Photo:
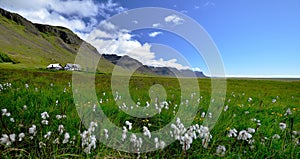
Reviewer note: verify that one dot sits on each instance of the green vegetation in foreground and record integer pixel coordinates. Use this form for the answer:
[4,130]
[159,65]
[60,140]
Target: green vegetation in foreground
[5,58]
[248,101]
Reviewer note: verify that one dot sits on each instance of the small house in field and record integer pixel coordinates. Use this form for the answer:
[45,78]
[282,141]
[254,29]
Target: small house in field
[56,66]
[72,67]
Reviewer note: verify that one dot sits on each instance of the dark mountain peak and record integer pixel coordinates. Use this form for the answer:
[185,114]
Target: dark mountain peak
[129,63]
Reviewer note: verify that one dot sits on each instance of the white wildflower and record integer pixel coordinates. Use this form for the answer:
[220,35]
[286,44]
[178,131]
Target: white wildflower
[58,117]
[156,143]
[45,115]
[66,138]
[244,135]
[275,136]
[203,115]
[282,126]
[209,115]
[12,137]
[128,124]
[225,108]
[5,140]
[45,122]
[106,133]
[288,112]
[124,133]
[21,136]
[221,149]
[32,130]
[4,111]
[146,132]
[61,129]
[56,141]
[232,133]
[41,144]
[8,114]
[12,120]
[250,99]
[47,136]
[251,130]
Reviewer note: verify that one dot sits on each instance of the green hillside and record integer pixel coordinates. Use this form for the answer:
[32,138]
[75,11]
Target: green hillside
[36,46]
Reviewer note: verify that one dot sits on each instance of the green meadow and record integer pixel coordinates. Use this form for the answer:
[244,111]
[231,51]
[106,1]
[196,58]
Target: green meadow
[259,119]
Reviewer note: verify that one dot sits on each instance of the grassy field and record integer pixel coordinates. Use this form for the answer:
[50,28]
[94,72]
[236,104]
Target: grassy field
[264,113]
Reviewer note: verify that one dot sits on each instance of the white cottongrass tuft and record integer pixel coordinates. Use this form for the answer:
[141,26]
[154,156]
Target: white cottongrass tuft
[32,130]
[5,140]
[251,130]
[288,112]
[146,132]
[128,124]
[221,149]
[244,135]
[124,133]
[48,135]
[275,136]
[106,133]
[61,129]
[66,138]
[44,115]
[21,136]
[282,126]
[232,133]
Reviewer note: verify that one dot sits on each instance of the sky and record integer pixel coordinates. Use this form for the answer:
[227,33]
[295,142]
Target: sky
[255,38]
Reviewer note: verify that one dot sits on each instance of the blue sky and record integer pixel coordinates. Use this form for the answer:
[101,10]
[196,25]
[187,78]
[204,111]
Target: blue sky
[254,37]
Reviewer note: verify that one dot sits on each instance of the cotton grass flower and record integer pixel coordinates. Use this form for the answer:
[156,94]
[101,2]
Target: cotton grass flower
[244,135]
[41,145]
[12,120]
[32,130]
[275,136]
[128,124]
[66,138]
[225,108]
[282,126]
[5,140]
[106,133]
[146,132]
[288,112]
[251,130]
[232,133]
[45,122]
[21,136]
[44,115]
[47,136]
[221,149]
[61,129]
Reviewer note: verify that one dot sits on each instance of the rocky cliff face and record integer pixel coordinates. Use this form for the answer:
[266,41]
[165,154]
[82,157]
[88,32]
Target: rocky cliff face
[65,34]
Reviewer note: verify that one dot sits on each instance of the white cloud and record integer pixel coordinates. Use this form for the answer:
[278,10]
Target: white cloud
[135,22]
[209,3]
[154,34]
[174,19]
[156,25]
[78,15]
[196,69]
[119,41]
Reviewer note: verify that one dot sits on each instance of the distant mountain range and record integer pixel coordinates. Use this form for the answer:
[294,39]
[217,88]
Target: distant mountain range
[37,45]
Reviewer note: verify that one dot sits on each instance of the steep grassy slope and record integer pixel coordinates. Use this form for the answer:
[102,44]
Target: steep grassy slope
[36,45]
